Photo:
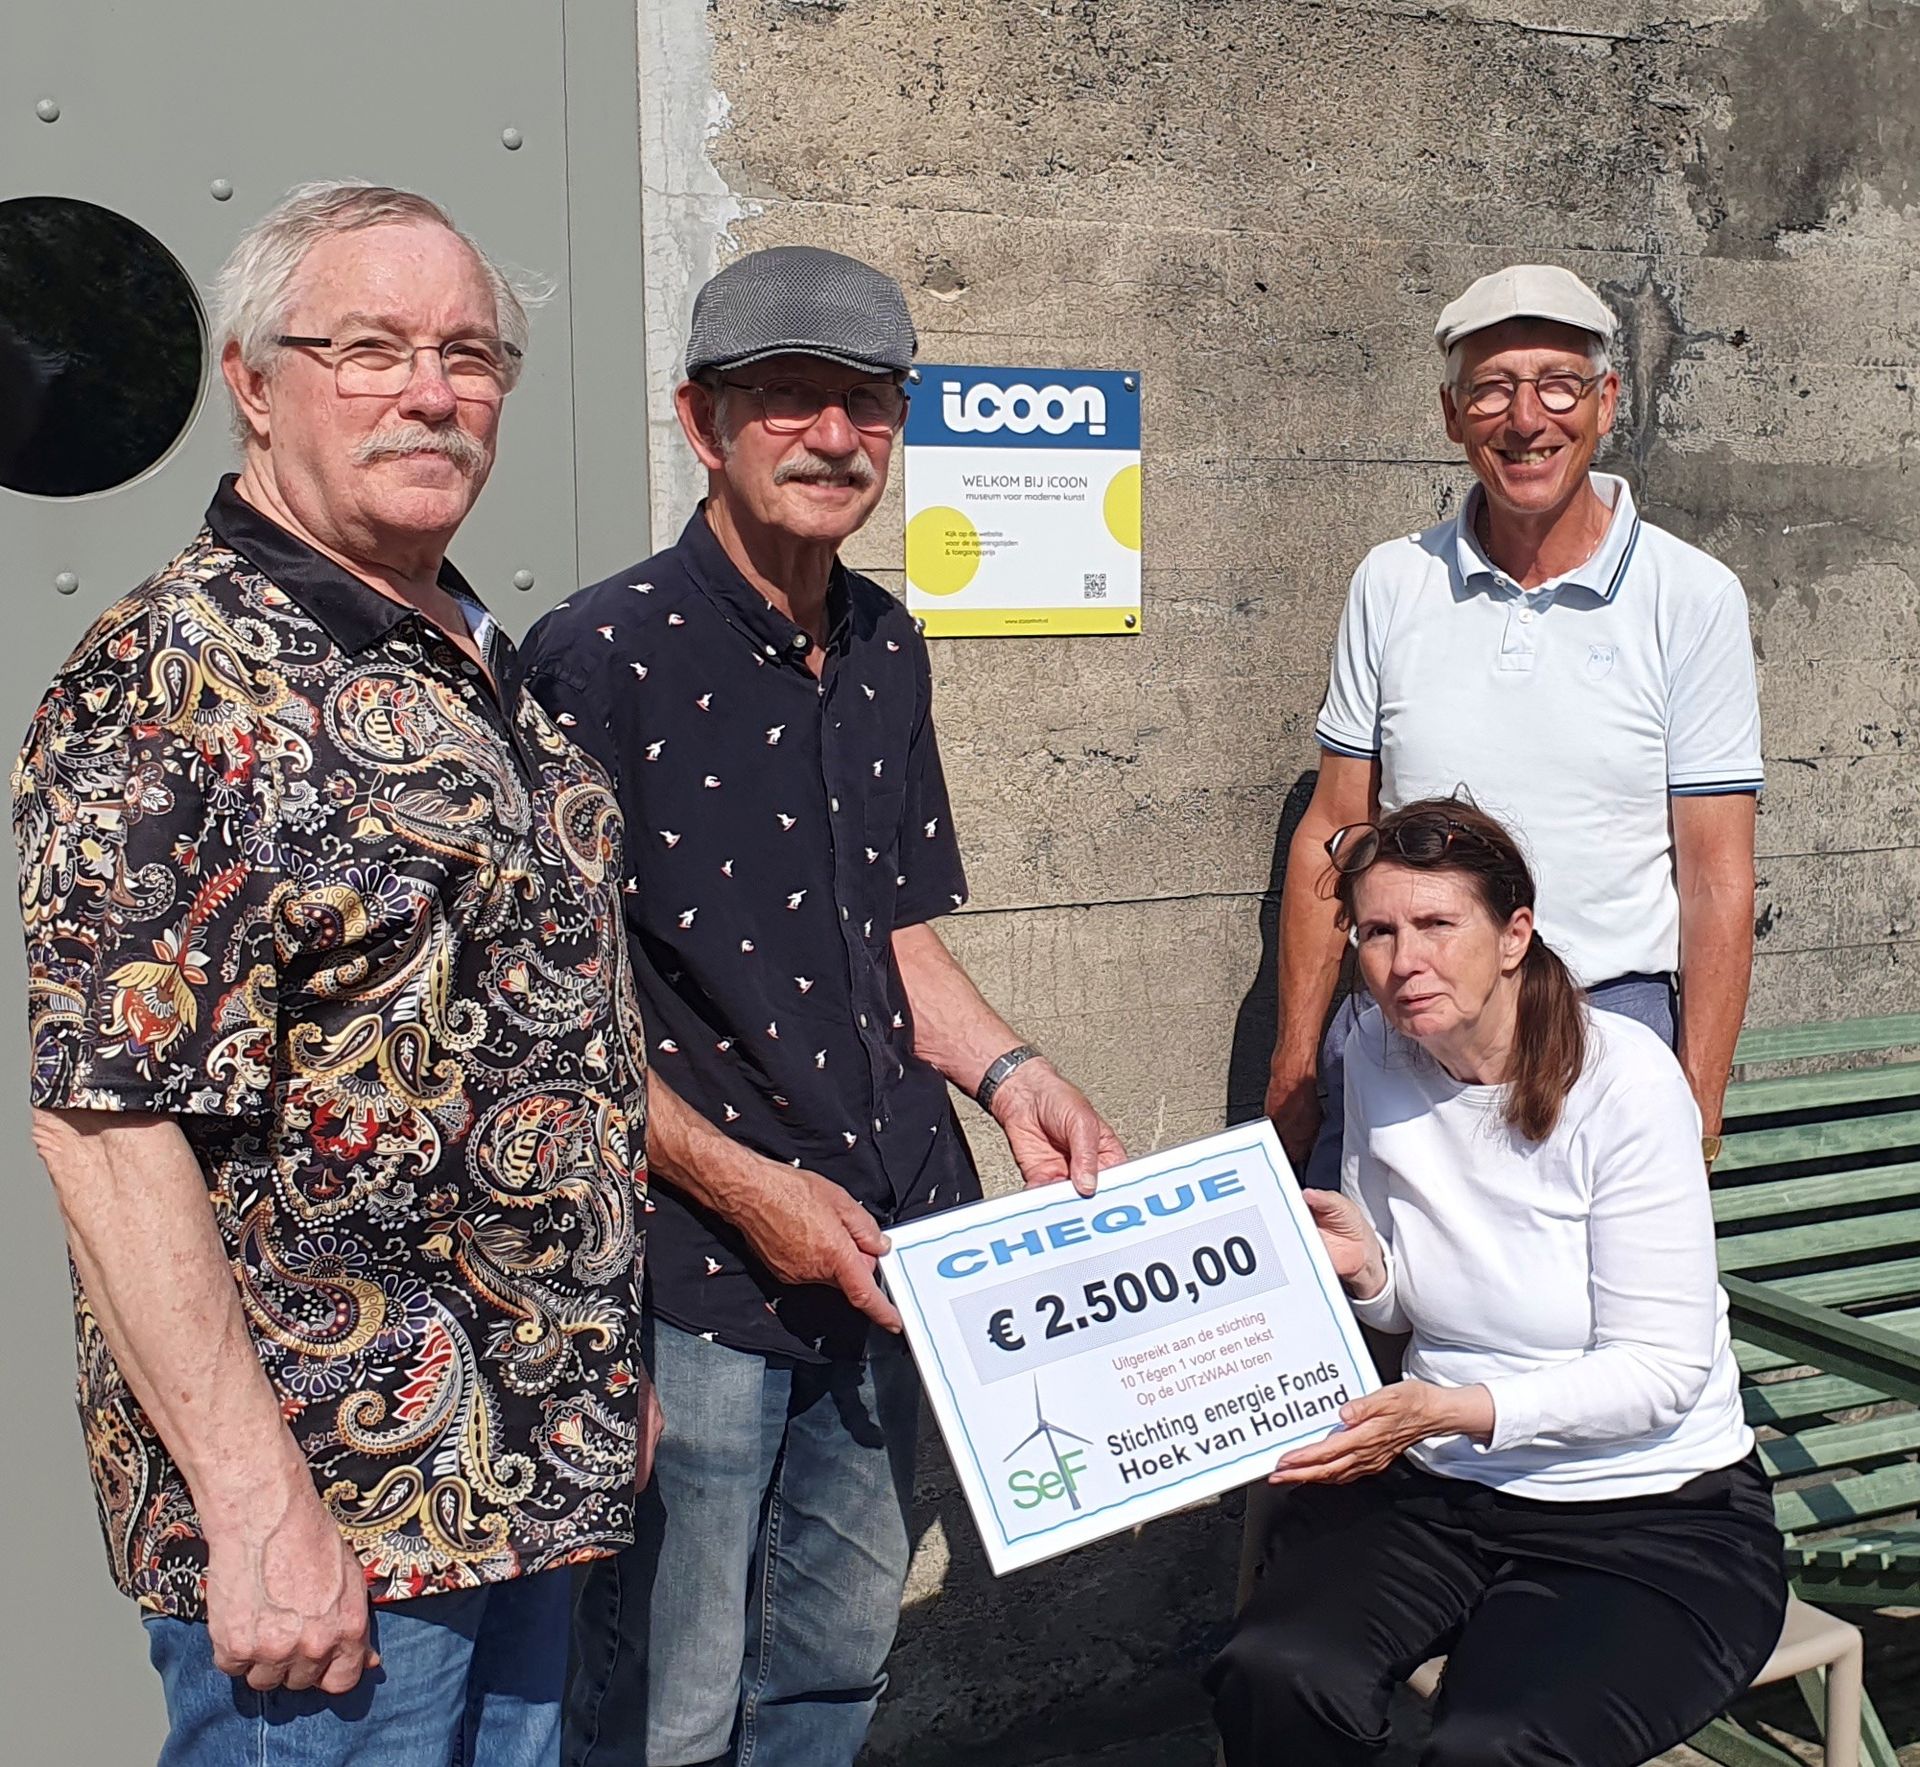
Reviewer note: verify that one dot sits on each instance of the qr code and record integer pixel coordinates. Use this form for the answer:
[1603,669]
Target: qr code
[1093,586]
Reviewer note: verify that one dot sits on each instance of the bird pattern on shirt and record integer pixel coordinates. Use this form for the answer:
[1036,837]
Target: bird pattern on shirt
[782,794]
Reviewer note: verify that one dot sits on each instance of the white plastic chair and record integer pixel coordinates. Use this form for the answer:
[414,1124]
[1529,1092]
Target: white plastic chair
[1811,1643]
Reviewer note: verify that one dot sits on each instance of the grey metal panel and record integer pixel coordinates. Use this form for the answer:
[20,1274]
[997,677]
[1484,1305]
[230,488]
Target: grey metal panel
[155,103]
[607,293]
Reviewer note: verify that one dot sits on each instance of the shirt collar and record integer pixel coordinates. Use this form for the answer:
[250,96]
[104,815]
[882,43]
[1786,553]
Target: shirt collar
[1601,575]
[749,612]
[354,614]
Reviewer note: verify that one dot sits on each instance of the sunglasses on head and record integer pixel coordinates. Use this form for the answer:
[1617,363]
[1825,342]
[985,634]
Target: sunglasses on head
[1422,840]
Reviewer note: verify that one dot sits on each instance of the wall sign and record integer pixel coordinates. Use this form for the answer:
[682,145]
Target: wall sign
[1023,501]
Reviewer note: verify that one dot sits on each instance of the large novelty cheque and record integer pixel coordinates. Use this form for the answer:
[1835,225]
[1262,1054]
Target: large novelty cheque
[1097,1362]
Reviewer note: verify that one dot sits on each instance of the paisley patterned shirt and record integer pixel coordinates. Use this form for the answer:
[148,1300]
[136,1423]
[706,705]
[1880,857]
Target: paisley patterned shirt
[293,874]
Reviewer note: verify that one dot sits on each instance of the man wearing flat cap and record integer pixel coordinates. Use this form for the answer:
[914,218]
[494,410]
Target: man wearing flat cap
[1584,675]
[765,714]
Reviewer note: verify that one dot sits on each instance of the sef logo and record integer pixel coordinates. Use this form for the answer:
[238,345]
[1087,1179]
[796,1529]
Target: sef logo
[1030,1489]
[1022,409]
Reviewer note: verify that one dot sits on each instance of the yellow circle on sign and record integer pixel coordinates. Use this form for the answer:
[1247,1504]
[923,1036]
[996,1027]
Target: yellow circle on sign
[943,550]
[1122,508]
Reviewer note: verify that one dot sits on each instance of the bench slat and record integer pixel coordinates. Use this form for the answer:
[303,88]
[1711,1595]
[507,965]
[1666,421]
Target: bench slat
[1862,1282]
[1792,1196]
[1783,1402]
[1841,1037]
[1805,1092]
[1820,1141]
[1755,1360]
[1890,1489]
[1891,1231]
[1841,1444]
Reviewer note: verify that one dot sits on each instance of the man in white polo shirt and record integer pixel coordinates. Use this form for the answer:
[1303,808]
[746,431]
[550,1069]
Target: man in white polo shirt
[1584,675]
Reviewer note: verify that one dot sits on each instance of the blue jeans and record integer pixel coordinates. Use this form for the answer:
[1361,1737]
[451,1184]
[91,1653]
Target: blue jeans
[1646,998]
[751,1619]
[470,1679]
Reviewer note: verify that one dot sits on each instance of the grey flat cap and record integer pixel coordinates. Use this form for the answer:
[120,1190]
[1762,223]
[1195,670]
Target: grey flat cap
[801,300]
[1524,291]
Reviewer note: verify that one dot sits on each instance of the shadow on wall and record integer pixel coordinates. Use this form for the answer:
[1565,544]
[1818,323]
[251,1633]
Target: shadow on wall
[1258,1021]
[1100,1648]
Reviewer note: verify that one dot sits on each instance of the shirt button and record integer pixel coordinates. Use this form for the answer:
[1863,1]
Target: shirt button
[1526,616]
[863,1021]
[469,667]
[834,805]
[876,1125]
[771,651]
[843,914]
[802,643]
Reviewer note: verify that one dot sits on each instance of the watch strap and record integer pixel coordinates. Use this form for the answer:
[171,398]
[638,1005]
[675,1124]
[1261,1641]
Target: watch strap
[999,1069]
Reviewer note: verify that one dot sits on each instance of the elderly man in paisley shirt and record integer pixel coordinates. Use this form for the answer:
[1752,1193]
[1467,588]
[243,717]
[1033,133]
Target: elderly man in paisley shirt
[337,1065]
[765,714]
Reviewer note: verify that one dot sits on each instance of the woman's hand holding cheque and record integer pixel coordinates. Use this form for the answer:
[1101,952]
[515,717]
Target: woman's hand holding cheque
[1376,1428]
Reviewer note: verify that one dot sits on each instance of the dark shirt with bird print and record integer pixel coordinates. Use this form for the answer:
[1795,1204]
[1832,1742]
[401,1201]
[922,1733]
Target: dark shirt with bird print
[780,828]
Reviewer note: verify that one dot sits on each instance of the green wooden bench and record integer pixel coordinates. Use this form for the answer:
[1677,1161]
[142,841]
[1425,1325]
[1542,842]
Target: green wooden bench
[1817,1206]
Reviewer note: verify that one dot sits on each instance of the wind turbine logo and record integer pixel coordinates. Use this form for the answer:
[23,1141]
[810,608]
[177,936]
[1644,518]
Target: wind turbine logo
[1067,1466]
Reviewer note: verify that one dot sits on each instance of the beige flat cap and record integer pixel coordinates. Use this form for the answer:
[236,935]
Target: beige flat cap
[1525,291]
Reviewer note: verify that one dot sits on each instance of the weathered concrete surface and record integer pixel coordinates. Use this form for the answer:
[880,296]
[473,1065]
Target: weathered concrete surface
[1260,204]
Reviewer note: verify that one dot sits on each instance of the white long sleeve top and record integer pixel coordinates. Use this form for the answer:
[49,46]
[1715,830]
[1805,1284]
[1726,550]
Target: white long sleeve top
[1573,1277]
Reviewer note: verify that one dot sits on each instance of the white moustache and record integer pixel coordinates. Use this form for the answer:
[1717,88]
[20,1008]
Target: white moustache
[817,469]
[415,438]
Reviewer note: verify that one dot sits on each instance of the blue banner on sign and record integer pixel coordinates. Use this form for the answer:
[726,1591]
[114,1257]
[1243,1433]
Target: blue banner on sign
[956,407]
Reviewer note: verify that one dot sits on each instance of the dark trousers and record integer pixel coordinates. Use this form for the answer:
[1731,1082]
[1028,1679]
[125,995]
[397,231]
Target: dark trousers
[1576,1634]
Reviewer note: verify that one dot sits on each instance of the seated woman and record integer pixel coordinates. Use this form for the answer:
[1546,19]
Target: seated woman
[1561,1494]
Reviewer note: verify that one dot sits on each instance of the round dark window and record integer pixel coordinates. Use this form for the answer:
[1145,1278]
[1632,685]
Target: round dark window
[102,348]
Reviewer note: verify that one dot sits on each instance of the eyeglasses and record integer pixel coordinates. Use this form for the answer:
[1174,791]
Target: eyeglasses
[790,406]
[480,369]
[1421,841]
[1558,393]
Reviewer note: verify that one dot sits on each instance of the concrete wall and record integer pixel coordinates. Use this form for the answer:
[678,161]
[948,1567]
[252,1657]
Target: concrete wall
[1261,205]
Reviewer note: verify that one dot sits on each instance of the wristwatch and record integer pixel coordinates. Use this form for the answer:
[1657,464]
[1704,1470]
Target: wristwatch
[997,1071]
[1710,1149]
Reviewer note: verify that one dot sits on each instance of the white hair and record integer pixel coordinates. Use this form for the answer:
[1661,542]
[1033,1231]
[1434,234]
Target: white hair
[1599,359]
[255,285]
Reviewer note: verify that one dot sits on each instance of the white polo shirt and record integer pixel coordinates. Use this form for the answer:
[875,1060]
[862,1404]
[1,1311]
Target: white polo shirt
[1572,711]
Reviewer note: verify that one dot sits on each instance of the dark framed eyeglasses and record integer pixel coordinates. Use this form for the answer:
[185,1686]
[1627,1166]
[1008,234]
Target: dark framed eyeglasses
[1558,393]
[375,365]
[876,407]
[1421,840]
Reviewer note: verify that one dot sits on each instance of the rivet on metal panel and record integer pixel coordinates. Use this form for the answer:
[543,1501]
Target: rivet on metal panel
[913,377]
[1126,380]
[1131,621]
[221,189]
[47,111]
[510,139]
[523,579]
[66,582]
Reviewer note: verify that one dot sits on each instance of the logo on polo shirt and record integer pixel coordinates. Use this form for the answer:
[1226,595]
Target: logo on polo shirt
[1599,661]
[984,408]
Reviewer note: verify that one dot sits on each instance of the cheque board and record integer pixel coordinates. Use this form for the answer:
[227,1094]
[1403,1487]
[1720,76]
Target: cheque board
[1097,1362]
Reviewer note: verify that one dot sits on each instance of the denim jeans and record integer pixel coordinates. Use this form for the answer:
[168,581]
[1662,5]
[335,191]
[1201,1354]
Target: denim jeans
[470,1679]
[751,1619]
[1644,997]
